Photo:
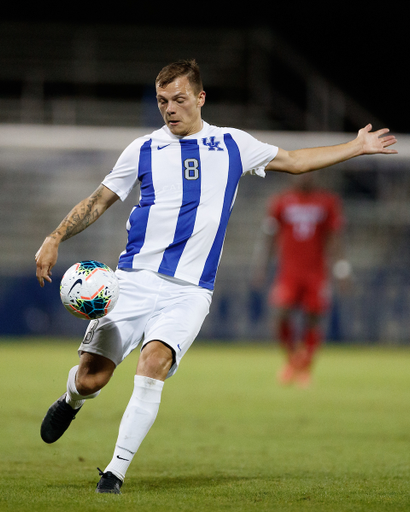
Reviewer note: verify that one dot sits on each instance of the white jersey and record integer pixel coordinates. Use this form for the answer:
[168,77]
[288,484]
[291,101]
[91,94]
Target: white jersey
[187,189]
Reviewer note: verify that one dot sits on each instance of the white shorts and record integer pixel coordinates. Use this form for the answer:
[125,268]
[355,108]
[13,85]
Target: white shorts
[150,307]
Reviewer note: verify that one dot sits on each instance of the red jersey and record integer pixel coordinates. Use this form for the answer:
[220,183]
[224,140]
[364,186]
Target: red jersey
[304,220]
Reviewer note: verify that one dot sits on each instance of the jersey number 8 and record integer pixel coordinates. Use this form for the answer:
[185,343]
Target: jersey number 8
[191,169]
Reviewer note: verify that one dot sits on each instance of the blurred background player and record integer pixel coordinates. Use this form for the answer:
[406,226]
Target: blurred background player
[303,228]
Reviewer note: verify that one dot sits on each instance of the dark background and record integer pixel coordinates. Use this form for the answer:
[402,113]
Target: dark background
[362,48]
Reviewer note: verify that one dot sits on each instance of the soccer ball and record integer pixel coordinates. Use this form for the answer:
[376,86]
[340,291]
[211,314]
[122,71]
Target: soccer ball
[89,289]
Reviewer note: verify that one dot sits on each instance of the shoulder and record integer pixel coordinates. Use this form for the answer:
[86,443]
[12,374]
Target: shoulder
[147,141]
[238,135]
[155,136]
[137,143]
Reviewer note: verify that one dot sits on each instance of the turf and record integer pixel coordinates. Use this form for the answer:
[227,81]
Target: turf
[227,437]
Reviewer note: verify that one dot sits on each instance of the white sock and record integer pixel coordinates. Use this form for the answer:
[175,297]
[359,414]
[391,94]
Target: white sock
[138,418]
[73,397]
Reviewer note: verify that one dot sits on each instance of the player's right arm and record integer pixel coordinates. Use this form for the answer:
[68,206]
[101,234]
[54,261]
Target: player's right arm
[85,213]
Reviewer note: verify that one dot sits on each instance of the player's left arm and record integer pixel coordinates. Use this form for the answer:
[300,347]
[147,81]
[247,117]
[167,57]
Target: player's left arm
[304,160]
[85,213]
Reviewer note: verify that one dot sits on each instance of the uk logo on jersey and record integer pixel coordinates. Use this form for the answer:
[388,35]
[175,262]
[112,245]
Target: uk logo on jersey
[213,145]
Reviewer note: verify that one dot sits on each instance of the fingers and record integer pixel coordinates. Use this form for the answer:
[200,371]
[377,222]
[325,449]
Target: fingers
[368,128]
[42,278]
[46,258]
[39,274]
[387,141]
[378,141]
[382,131]
[43,271]
[43,274]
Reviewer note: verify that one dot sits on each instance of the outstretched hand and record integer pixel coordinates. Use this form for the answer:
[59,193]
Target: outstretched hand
[376,142]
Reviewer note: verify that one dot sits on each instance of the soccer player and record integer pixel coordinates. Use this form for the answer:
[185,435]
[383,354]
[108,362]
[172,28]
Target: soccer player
[303,229]
[188,172]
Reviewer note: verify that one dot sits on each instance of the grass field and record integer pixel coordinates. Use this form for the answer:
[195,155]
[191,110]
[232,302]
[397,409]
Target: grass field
[227,437]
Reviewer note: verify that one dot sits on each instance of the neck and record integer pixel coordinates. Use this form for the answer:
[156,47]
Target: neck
[195,129]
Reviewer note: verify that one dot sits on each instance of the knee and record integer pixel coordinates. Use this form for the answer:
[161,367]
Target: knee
[155,360]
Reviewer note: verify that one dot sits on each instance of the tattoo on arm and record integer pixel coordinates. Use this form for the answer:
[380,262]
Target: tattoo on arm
[81,216]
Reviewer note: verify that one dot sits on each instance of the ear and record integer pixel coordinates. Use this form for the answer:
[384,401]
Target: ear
[201,99]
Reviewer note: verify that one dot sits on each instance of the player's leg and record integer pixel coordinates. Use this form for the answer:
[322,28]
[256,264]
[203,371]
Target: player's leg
[100,352]
[283,297]
[87,379]
[284,330]
[313,337]
[105,342]
[155,360]
[84,382]
[285,334]
[176,323]
[153,366]
[316,301]
[311,342]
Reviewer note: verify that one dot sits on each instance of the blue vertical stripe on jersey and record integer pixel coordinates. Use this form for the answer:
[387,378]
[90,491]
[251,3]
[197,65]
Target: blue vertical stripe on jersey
[235,172]
[139,217]
[191,183]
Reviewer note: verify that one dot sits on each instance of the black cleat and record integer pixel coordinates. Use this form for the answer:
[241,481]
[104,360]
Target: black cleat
[57,420]
[108,483]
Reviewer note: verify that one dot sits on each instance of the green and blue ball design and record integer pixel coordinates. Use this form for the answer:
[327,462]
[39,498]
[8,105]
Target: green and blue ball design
[89,289]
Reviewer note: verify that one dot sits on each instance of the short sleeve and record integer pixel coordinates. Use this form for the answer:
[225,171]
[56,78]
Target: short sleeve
[124,176]
[255,155]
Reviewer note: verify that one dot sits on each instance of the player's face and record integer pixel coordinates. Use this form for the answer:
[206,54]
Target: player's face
[181,107]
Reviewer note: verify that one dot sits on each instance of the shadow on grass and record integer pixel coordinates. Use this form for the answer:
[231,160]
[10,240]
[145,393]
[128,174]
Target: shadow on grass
[178,482]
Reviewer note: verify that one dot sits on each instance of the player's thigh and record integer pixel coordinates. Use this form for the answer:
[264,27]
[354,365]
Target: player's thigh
[119,333]
[284,293]
[317,296]
[178,321]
